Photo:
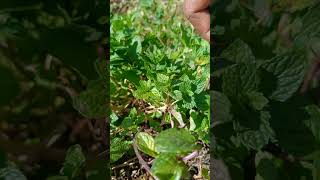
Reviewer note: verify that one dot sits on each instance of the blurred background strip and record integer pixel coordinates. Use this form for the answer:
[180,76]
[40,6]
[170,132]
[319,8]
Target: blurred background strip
[54,89]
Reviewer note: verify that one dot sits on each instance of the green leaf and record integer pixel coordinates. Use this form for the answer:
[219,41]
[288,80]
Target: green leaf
[162,78]
[132,76]
[93,102]
[74,162]
[113,117]
[314,122]
[186,85]
[102,69]
[143,89]
[177,95]
[221,110]
[202,81]
[262,11]
[202,101]
[257,100]
[316,167]
[127,122]
[253,140]
[311,27]
[118,147]
[257,139]
[11,173]
[289,70]
[146,91]
[167,166]
[268,168]
[173,140]
[238,52]
[133,113]
[240,79]
[145,143]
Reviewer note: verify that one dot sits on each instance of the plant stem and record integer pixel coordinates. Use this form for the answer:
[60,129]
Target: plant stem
[190,156]
[143,163]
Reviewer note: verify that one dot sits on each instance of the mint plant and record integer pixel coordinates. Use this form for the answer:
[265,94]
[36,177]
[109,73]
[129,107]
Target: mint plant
[168,149]
[265,92]
[160,75]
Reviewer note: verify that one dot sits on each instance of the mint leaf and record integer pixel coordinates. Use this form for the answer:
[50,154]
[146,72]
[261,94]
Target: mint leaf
[173,140]
[162,78]
[289,70]
[240,79]
[311,27]
[118,147]
[186,85]
[92,103]
[145,143]
[314,122]
[257,100]
[74,162]
[316,164]
[167,166]
[221,110]
[238,52]
[268,168]
[11,173]
[256,139]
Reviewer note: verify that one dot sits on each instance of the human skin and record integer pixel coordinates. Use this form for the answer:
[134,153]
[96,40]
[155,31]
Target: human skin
[197,12]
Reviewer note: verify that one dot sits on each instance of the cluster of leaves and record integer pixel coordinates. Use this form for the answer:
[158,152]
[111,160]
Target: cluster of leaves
[266,111]
[159,79]
[168,149]
[53,71]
